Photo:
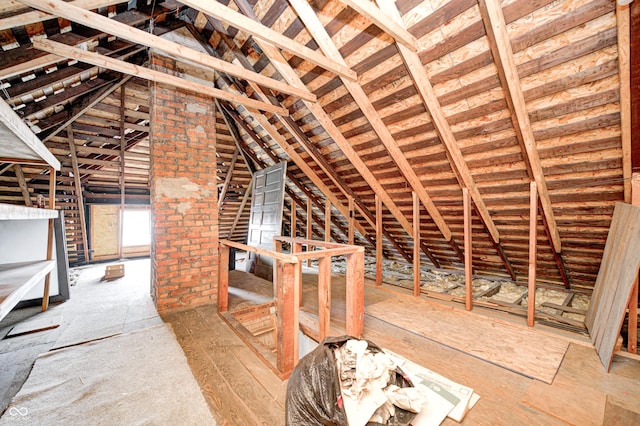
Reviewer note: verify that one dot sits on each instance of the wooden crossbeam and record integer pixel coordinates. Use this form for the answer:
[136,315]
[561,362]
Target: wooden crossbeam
[266,34]
[22,183]
[94,20]
[157,76]
[441,125]
[315,27]
[35,16]
[500,44]
[382,21]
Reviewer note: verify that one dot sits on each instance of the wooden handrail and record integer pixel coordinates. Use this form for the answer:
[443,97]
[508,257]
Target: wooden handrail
[283,257]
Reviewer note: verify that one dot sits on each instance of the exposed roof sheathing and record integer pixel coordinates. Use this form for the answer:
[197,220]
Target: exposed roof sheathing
[480,94]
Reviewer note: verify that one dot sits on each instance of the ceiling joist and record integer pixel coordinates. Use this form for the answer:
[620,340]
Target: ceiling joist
[99,22]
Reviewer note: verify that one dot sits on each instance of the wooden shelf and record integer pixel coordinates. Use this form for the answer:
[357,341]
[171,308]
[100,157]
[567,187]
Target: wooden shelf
[16,279]
[14,212]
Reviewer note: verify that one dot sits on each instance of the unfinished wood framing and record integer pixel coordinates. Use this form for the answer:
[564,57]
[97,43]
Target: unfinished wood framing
[533,251]
[468,257]
[416,245]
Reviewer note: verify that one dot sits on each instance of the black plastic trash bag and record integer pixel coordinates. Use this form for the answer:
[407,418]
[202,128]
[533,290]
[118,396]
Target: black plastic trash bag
[313,390]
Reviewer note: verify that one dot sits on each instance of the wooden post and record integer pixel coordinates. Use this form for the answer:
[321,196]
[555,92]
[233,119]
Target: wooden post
[327,221]
[324,296]
[309,225]
[632,329]
[533,235]
[378,240]
[122,162]
[416,244]
[22,183]
[78,187]
[293,218]
[223,279]
[52,206]
[623,23]
[297,248]
[352,221]
[468,267]
[355,294]
[287,323]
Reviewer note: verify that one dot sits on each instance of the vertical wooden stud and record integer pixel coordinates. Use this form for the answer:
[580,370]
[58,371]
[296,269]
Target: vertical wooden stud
[352,221]
[533,244]
[297,248]
[416,244]
[286,320]
[378,240]
[52,206]
[632,329]
[223,279]
[293,219]
[355,294]
[327,221]
[309,225]
[122,163]
[468,267]
[623,21]
[324,296]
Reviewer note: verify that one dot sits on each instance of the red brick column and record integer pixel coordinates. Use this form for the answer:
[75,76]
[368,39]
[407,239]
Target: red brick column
[184,195]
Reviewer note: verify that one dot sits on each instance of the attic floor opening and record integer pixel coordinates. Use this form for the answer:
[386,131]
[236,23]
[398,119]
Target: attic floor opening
[230,374]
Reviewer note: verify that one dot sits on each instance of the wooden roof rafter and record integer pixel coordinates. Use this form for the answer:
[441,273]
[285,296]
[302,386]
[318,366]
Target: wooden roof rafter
[311,21]
[266,34]
[313,152]
[442,127]
[501,50]
[233,115]
[288,73]
[131,69]
[110,26]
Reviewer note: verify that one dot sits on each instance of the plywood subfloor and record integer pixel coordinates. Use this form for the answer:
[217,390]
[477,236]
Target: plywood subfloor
[517,349]
[229,373]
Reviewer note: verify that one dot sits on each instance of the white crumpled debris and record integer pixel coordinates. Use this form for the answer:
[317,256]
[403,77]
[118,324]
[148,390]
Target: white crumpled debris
[364,382]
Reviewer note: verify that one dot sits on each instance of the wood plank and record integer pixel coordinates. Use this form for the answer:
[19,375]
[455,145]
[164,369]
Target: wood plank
[379,264]
[327,221]
[287,319]
[499,41]
[94,20]
[515,348]
[391,27]
[416,244]
[614,285]
[354,277]
[270,36]
[157,76]
[223,279]
[52,206]
[431,103]
[623,23]
[16,279]
[533,252]
[324,296]
[35,16]
[468,258]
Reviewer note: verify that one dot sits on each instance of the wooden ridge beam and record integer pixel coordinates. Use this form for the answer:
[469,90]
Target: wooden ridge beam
[315,27]
[382,21]
[500,44]
[266,34]
[110,26]
[157,76]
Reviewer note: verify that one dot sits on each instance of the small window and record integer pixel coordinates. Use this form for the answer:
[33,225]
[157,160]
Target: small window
[136,228]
